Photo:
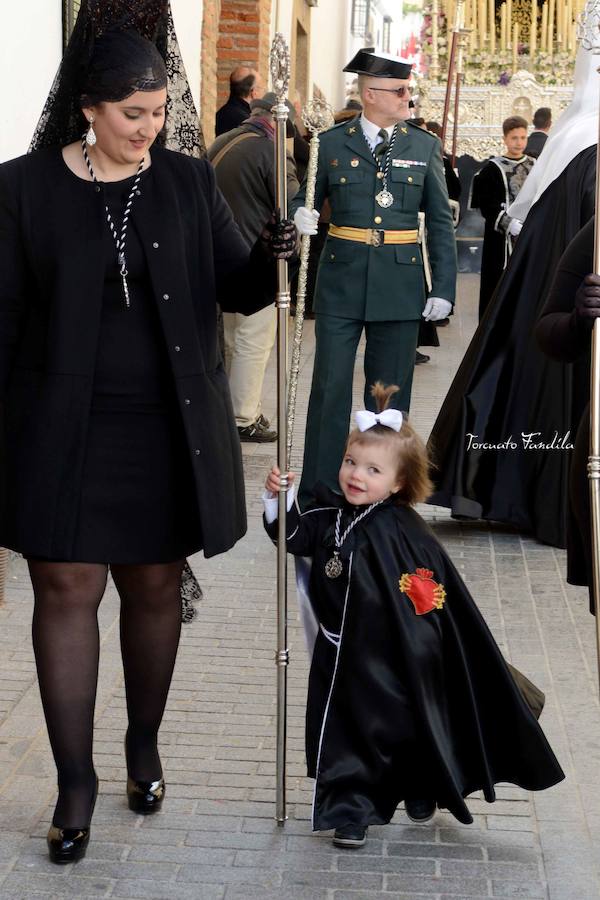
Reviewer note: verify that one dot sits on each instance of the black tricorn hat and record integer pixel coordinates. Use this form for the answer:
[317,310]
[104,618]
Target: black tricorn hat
[378,65]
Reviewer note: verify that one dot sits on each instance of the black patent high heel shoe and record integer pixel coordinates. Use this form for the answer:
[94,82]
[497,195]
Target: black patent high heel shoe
[145,797]
[68,845]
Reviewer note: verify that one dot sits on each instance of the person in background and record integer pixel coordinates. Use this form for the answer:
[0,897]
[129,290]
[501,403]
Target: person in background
[245,85]
[244,163]
[301,141]
[452,180]
[494,188]
[564,333]
[542,123]
[505,385]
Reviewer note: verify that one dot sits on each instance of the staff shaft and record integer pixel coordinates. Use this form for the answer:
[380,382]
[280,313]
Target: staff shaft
[594,457]
[283,306]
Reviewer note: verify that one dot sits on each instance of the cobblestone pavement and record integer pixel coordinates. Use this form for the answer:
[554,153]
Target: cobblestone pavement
[216,837]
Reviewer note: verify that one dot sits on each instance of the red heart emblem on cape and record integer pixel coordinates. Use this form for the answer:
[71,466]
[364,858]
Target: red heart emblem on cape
[425,593]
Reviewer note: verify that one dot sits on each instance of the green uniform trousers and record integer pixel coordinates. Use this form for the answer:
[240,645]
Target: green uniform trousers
[389,357]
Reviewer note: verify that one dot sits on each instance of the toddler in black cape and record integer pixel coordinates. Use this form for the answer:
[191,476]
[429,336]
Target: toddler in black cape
[409,697]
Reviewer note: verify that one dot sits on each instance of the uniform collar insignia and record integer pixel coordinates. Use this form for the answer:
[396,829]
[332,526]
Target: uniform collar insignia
[351,130]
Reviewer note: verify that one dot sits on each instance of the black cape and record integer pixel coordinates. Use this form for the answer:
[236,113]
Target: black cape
[402,704]
[506,386]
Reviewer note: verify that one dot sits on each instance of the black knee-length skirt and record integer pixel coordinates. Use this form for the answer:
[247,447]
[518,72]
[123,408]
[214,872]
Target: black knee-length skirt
[138,500]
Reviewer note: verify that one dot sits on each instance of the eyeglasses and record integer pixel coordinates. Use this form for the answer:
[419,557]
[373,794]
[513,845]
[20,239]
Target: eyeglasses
[399,92]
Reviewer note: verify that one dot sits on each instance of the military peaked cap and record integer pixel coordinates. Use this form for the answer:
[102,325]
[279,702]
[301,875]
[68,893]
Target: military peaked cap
[378,65]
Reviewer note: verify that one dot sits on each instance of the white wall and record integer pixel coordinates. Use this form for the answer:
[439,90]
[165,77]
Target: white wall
[31,52]
[329,53]
[30,59]
[187,17]
[330,30]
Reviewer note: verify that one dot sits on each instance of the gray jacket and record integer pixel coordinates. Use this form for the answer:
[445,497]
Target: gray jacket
[246,176]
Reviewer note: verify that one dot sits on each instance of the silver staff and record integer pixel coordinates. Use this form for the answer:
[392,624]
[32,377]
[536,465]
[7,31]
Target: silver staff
[280,75]
[589,35]
[317,116]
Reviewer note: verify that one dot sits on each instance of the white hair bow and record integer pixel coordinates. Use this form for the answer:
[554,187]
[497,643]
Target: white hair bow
[391,418]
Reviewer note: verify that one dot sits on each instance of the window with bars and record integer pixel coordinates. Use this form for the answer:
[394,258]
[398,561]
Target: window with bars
[387,33]
[70,10]
[360,17]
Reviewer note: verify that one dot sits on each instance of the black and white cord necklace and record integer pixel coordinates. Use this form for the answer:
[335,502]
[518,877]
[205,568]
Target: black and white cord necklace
[334,566]
[384,198]
[118,239]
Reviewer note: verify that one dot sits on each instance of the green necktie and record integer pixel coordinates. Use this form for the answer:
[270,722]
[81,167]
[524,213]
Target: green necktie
[382,148]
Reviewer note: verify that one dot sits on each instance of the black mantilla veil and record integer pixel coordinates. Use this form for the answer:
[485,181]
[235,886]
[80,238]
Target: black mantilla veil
[61,121]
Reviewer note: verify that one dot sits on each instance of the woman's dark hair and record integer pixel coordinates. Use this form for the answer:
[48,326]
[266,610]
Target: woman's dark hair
[122,63]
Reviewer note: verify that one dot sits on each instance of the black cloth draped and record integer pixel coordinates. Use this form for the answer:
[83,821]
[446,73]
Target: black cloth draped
[506,387]
[562,335]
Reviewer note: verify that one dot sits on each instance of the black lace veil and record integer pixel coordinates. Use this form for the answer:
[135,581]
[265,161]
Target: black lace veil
[61,122]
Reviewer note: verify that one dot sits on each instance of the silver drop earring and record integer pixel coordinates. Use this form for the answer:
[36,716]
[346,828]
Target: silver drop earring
[90,137]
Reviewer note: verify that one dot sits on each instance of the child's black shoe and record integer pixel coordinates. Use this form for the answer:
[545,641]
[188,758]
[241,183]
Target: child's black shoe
[420,811]
[350,836]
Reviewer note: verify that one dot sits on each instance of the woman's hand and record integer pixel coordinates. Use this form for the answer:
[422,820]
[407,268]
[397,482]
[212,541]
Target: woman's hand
[587,300]
[273,482]
[280,238]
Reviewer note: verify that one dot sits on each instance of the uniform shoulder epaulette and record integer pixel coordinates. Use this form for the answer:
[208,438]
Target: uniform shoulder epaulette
[429,134]
[338,125]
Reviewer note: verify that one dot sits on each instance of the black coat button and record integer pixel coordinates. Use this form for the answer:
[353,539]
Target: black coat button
[177,348]
[197,452]
[187,401]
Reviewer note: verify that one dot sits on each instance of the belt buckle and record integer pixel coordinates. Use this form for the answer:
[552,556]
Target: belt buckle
[376,237]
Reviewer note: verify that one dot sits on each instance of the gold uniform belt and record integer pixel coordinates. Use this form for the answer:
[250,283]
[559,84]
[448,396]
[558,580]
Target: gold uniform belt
[375,237]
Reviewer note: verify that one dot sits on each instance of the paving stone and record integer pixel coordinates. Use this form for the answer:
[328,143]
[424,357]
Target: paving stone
[436,851]
[130,889]
[467,887]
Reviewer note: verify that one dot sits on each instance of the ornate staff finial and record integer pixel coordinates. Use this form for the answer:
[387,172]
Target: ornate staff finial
[317,115]
[280,66]
[588,26]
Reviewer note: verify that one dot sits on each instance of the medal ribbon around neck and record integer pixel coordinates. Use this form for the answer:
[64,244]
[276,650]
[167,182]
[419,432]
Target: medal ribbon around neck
[333,566]
[118,239]
[384,198]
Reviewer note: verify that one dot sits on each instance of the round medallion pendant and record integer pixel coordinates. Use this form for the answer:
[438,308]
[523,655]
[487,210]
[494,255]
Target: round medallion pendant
[384,198]
[334,567]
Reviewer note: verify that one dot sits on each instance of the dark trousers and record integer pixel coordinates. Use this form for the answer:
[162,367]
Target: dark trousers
[389,357]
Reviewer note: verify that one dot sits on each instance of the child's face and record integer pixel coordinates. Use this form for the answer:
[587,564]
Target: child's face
[516,141]
[369,472]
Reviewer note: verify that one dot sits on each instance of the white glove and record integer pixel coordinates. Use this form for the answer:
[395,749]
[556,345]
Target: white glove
[306,220]
[436,309]
[514,227]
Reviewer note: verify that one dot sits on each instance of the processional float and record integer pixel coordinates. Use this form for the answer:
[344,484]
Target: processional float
[589,35]
[454,78]
[317,117]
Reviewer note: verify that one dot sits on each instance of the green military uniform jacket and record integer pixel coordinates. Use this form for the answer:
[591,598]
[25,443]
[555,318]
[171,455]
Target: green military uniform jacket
[385,283]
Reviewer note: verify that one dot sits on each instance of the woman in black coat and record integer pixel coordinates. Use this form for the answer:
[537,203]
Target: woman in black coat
[120,447]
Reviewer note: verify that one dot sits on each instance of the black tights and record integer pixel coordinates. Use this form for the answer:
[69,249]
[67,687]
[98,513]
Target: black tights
[66,645]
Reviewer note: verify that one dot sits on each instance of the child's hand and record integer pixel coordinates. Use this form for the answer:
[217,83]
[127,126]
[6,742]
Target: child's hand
[273,482]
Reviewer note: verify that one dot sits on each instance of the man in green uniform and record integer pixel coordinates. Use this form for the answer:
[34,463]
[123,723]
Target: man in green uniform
[377,171]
